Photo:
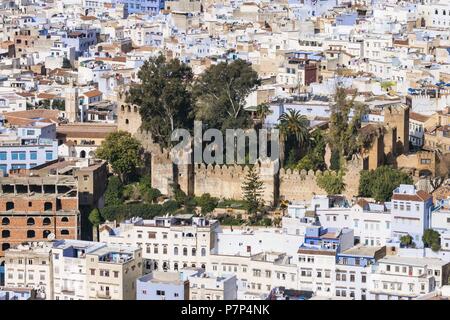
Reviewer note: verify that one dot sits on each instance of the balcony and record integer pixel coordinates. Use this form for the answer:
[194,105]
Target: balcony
[103,295]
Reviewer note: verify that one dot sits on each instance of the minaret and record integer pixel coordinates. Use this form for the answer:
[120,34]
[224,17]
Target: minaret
[71,98]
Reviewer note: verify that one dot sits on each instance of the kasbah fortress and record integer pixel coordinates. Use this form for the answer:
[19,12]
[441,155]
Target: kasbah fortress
[390,146]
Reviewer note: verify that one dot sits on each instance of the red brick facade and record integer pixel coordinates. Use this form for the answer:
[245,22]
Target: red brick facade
[24,219]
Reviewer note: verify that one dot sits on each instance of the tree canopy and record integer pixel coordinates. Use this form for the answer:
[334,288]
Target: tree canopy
[332,184]
[345,123]
[221,92]
[380,183]
[252,188]
[164,97]
[123,153]
[432,239]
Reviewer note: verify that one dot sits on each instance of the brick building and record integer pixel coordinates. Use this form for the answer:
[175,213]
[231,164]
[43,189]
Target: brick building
[34,207]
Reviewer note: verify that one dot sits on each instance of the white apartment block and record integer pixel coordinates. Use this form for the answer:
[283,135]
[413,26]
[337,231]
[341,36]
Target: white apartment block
[95,271]
[168,243]
[204,286]
[398,278]
[29,266]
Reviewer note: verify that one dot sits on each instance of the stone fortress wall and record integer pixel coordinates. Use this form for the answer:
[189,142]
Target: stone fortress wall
[225,181]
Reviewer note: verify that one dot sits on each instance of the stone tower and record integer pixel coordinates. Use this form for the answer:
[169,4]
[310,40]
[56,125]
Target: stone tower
[71,102]
[396,119]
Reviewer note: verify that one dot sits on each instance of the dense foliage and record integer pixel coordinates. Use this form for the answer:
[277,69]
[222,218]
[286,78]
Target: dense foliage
[380,183]
[221,92]
[252,191]
[123,153]
[331,183]
[164,97]
[432,239]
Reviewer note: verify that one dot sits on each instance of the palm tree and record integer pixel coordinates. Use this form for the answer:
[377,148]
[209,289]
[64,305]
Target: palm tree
[294,124]
[262,111]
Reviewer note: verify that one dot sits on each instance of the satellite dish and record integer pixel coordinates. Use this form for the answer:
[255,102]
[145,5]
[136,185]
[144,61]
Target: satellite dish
[51,236]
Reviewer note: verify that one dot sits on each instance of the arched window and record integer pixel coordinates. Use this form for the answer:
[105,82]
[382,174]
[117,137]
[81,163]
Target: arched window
[45,233]
[129,108]
[5,246]
[203,252]
[123,108]
[5,221]
[48,206]
[175,251]
[155,265]
[83,154]
[9,205]
[6,234]
[64,232]
[184,251]
[194,252]
[46,221]
[203,267]
[127,121]
[30,221]
[31,234]
[64,219]
[175,266]
[135,109]
[165,266]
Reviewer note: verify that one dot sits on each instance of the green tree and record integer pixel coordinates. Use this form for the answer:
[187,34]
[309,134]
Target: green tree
[381,182]
[344,131]
[221,92]
[114,192]
[294,133]
[46,103]
[432,239]
[314,160]
[252,191]
[66,63]
[262,111]
[122,151]
[332,183]
[95,219]
[164,97]
[207,203]
[186,202]
[407,241]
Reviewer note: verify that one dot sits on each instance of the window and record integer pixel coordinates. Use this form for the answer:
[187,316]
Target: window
[175,251]
[33,155]
[5,221]
[48,155]
[18,155]
[46,221]
[6,233]
[203,252]
[65,232]
[160,293]
[31,234]
[2,155]
[194,252]
[185,251]
[30,221]
[92,272]
[64,219]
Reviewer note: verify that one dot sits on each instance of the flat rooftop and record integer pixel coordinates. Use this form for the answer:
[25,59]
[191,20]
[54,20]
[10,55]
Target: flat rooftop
[362,251]
[412,261]
[163,277]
